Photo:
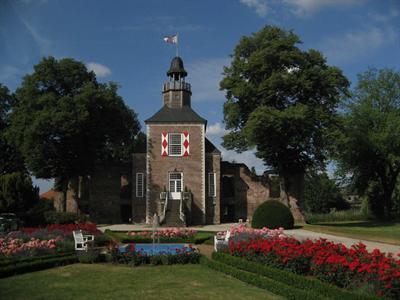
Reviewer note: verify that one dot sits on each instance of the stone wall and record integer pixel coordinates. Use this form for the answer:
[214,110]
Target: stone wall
[249,191]
[213,204]
[138,203]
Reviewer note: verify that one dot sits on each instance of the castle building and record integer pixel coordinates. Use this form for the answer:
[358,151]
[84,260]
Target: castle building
[179,178]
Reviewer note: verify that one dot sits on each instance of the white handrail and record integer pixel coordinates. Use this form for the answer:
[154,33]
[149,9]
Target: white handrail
[165,208]
[181,210]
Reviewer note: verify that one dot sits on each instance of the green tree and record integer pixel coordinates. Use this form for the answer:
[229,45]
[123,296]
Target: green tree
[321,194]
[368,144]
[10,159]
[17,194]
[283,101]
[64,121]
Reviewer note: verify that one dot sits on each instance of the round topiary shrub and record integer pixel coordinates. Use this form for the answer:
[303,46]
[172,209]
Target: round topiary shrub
[272,214]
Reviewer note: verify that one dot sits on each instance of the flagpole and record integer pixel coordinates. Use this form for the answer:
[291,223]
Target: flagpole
[177,43]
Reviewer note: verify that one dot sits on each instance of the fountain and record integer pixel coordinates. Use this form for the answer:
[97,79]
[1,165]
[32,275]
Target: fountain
[155,226]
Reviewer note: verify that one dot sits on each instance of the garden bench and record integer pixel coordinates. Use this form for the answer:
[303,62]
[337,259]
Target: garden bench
[81,240]
[221,242]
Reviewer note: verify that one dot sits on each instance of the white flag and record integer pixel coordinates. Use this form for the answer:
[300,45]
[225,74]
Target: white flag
[171,39]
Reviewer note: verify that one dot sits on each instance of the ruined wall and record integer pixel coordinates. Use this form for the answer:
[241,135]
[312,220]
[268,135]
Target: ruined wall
[249,191]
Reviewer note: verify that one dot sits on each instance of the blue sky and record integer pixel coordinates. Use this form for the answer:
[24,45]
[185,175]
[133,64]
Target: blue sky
[122,41]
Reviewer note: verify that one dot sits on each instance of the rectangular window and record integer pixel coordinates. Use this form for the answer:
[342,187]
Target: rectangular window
[139,185]
[175,144]
[212,188]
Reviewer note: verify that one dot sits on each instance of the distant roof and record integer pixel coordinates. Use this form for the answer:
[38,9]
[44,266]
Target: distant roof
[176,115]
[210,148]
[49,195]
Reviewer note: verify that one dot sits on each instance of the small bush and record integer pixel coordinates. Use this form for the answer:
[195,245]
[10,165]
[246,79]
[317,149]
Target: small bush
[272,214]
[136,259]
[89,257]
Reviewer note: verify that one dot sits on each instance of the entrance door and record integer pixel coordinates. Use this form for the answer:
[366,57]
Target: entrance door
[175,185]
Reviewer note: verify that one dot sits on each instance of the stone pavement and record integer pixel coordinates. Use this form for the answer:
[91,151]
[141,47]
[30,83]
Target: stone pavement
[300,234]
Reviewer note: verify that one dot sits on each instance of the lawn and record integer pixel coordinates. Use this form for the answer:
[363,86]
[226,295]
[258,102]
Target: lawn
[80,281]
[366,230]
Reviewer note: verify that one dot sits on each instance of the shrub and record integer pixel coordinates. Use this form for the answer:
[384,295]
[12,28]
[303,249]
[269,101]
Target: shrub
[54,217]
[272,214]
[331,262]
[271,285]
[89,257]
[136,259]
[37,265]
[294,280]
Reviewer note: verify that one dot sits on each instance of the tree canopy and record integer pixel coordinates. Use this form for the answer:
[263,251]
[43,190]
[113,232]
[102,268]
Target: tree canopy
[10,158]
[64,121]
[368,142]
[282,101]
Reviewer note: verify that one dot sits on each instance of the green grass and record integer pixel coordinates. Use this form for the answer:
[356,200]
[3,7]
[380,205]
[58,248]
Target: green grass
[366,230]
[99,281]
[336,216]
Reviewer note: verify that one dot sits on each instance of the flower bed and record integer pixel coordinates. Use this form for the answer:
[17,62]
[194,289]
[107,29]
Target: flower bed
[10,246]
[352,267]
[65,229]
[165,233]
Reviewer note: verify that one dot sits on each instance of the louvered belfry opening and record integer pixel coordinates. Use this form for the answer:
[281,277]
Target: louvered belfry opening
[176,92]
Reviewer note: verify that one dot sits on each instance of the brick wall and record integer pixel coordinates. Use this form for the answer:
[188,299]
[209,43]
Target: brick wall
[191,166]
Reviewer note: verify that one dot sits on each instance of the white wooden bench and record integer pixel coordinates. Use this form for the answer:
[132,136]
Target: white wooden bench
[221,242]
[81,240]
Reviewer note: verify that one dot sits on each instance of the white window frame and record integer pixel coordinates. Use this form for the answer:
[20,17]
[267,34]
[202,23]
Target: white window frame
[170,144]
[212,189]
[139,191]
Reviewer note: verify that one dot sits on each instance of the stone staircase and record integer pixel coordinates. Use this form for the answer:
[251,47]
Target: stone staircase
[172,215]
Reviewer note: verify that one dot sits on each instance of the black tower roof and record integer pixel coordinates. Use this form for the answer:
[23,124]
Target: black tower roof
[176,69]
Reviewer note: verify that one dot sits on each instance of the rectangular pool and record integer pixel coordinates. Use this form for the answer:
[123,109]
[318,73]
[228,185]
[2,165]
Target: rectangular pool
[149,249]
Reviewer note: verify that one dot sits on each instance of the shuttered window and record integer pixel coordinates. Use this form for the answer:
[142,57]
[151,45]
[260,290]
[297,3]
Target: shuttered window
[139,185]
[212,188]
[175,144]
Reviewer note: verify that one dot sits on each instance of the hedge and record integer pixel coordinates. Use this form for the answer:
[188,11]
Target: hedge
[37,265]
[269,284]
[294,280]
[6,261]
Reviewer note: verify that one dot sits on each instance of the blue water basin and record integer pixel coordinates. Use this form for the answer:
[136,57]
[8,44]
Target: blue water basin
[149,249]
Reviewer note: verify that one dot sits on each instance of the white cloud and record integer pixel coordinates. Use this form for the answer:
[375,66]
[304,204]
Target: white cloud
[309,7]
[248,158]
[259,6]
[298,7]
[42,42]
[99,69]
[216,129]
[205,75]
[356,45]
[385,17]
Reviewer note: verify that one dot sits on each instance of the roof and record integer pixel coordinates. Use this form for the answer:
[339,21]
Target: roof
[210,148]
[184,114]
[49,195]
[177,67]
